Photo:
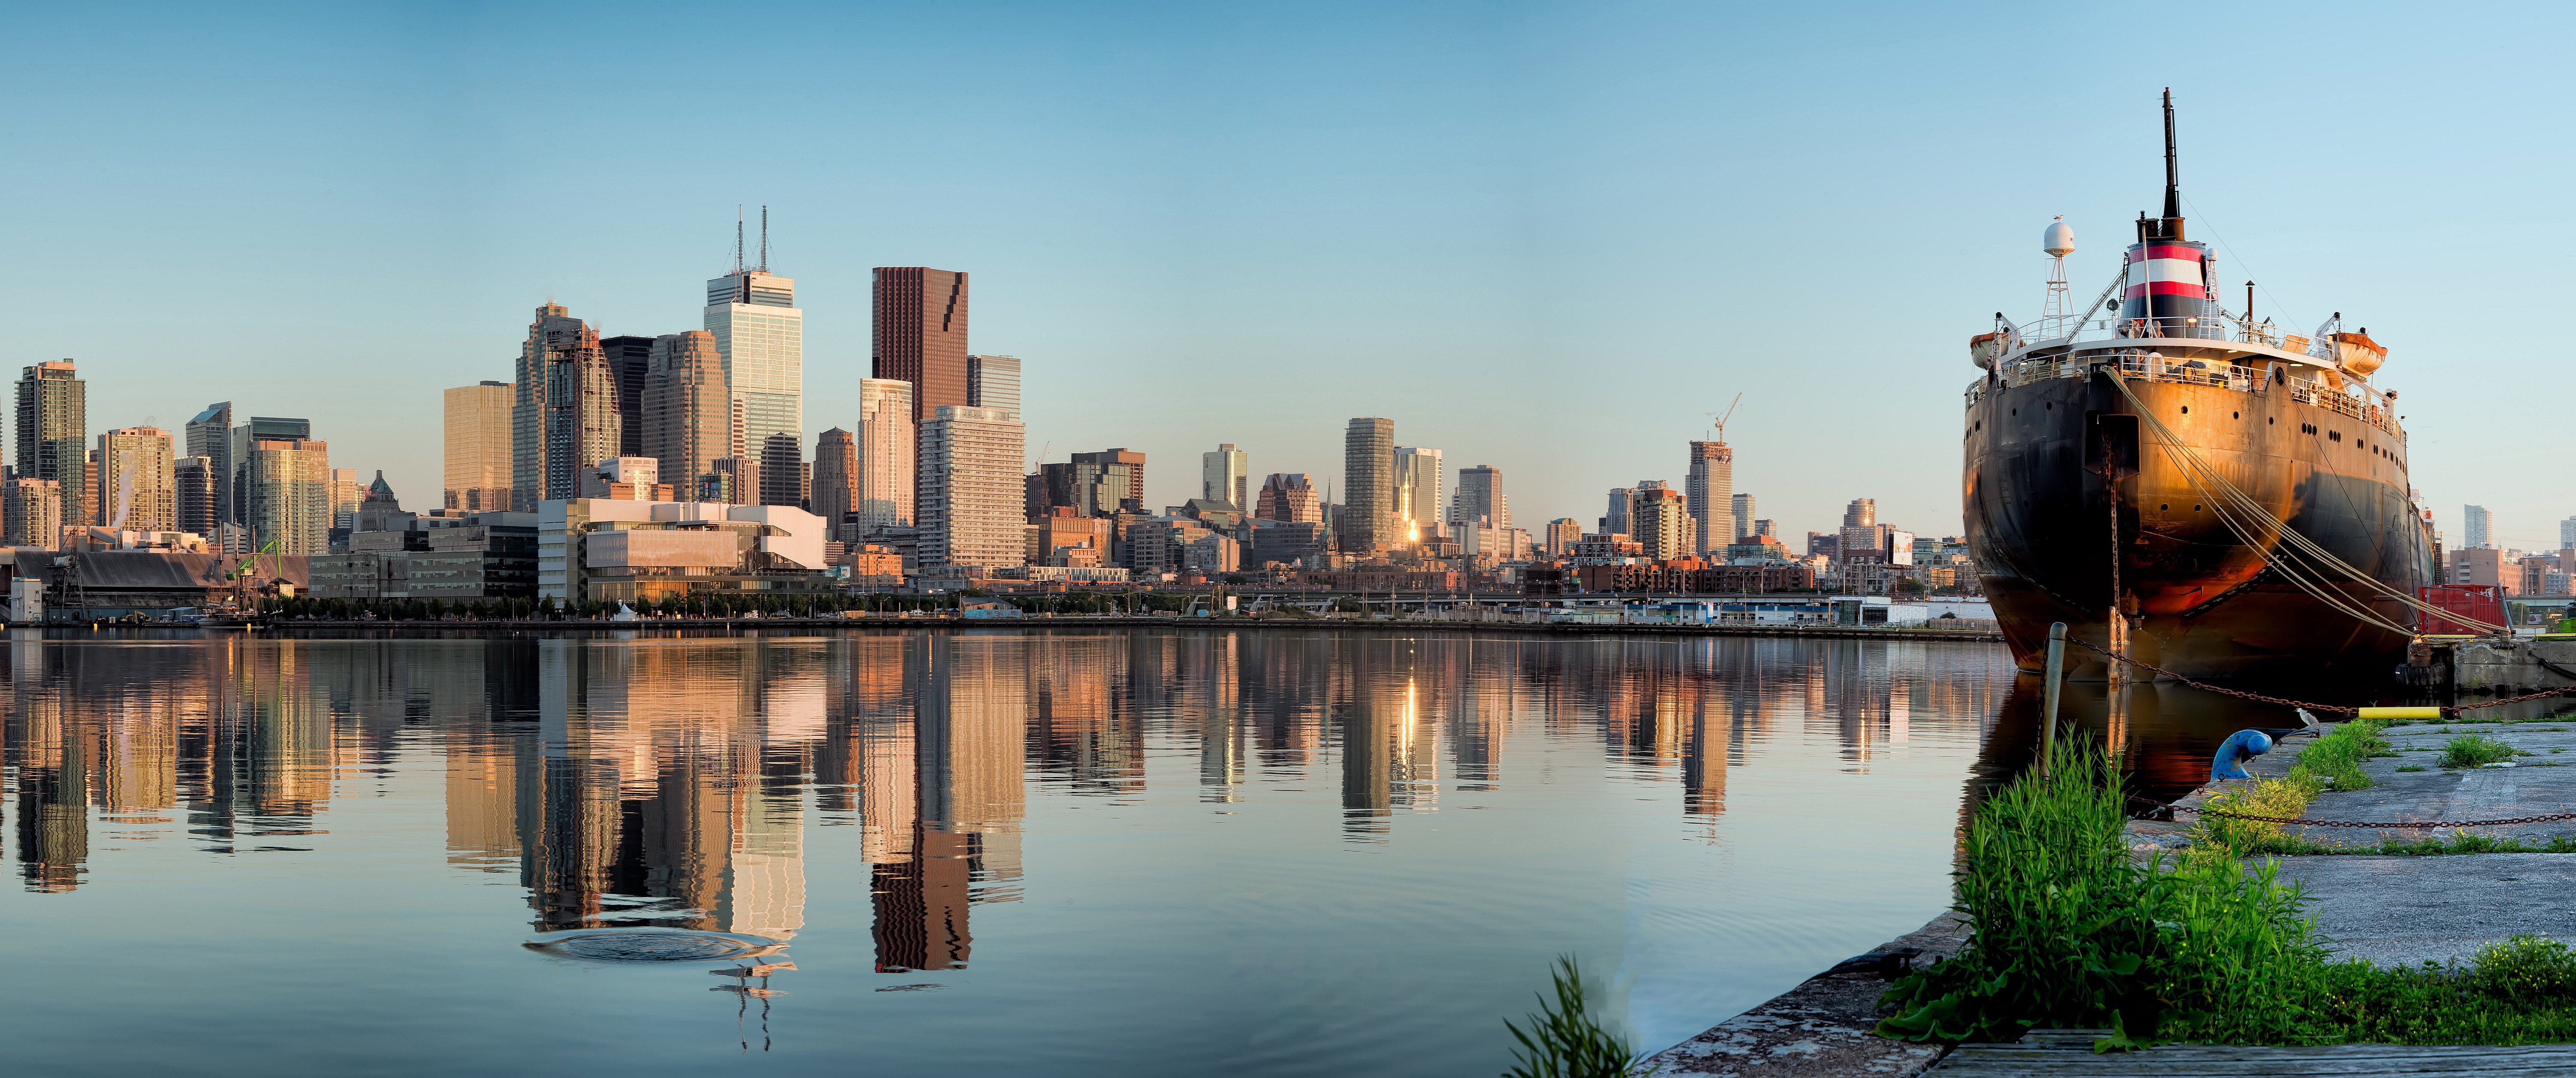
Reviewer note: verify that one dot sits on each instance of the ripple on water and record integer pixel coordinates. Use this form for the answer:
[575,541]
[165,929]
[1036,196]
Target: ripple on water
[652,945]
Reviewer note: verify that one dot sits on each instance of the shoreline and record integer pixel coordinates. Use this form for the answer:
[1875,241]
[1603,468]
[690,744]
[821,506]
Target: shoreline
[512,628]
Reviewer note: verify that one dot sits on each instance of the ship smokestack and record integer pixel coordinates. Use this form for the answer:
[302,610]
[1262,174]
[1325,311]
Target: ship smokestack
[2168,285]
[2173,182]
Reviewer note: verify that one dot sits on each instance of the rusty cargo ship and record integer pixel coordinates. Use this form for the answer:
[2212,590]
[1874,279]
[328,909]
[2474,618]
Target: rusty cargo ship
[2118,456]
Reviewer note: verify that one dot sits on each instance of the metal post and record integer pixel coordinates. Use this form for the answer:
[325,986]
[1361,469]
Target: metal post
[2048,708]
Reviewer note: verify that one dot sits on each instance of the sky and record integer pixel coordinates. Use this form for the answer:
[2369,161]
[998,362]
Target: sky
[1544,237]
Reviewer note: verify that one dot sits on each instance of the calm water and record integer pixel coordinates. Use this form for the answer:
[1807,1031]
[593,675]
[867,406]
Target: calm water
[1069,852]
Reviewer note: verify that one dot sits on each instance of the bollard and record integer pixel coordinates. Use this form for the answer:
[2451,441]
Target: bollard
[2399,713]
[2048,707]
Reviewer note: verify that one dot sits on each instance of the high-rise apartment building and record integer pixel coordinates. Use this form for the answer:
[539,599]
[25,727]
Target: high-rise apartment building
[1480,497]
[993,382]
[1562,534]
[554,330]
[2477,528]
[258,428]
[1417,475]
[1290,496]
[1225,475]
[138,487]
[1709,493]
[1862,537]
[582,426]
[1368,486]
[31,513]
[921,336]
[210,435]
[193,486]
[688,413]
[346,495]
[970,488]
[1743,506]
[53,434]
[630,361]
[477,449]
[887,447]
[1659,520]
[287,483]
[836,482]
[761,335]
[2567,535]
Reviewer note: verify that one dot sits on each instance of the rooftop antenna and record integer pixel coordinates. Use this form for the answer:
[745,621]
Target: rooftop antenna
[1721,418]
[764,239]
[737,237]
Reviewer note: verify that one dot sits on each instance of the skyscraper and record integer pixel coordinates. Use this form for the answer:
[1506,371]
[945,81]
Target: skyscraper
[970,488]
[629,361]
[287,483]
[1098,484]
[836,481]
[1745,513]
[1368,485]
[1562,534]
[2477,529]
[138,486]
[761,336]
[346,494]
[888,444]
[582,426]
[237,540]
[53,434]
[1659,520]
[210,435]
[1225,476]
[477,450]
[921,335]
[688,412]
[194,485]
[993,382]
[553,330]
[1418,501]
[1480,494]
[1862,537]
[2567,535]
[31,513]
[1290,496]
[1710,493]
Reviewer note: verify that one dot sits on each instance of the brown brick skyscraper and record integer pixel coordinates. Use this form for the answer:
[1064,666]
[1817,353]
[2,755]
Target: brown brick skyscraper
[921,334]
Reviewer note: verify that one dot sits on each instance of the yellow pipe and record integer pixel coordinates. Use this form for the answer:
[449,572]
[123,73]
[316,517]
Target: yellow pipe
[2400,713]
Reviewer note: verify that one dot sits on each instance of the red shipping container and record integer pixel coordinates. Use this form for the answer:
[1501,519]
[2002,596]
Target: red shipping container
[2477,602]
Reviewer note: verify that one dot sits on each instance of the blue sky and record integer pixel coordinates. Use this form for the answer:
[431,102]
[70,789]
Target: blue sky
[1541,237]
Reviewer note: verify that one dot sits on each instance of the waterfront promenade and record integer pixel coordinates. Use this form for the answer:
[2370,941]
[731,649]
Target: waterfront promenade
[1971,633]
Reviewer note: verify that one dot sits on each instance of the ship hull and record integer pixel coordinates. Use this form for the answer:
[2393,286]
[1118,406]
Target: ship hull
[2201,603]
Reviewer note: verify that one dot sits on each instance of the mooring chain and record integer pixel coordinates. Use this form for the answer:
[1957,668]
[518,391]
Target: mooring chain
[2551,818]
[2453,709]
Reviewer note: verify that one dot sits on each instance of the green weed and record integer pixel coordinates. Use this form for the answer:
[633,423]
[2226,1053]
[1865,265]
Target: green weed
[1564,1040]
[2471,750]
[2412,767]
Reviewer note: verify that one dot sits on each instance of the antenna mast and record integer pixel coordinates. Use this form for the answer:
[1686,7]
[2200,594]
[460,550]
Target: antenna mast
[764,239]
[737,237]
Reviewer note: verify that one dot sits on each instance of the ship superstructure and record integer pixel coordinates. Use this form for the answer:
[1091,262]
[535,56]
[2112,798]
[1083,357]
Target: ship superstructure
[2187,485]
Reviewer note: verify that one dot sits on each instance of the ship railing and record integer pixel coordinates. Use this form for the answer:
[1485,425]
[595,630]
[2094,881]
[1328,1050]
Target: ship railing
[2219,327]
[2150,367]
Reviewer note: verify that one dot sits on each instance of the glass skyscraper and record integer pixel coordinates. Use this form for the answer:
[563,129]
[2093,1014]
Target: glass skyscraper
[761,335]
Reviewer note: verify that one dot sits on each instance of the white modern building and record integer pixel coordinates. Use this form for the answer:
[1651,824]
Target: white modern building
[887,448]
[1418,499]
[601,548]
[971,490]
[1225,475]
[761,336]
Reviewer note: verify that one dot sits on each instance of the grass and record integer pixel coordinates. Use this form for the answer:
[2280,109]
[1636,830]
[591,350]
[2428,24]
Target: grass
[2457,842]
[2471,750]
[1564,1040]
[2072,933]
[2334,759]
[2412,767]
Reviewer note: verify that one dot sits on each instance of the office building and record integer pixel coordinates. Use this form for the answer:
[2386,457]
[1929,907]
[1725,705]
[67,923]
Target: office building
[210,435]
[31,513]
[1743,507]
[287,488]
[53,434]
[1480,497]
[257,428]
[1417,478]
[730,481]
[1098,484]
[2477,528]
[993,382]
[687,411]
[1368,485]
[634,479]
[920,316]
[138,486]
[761,335]
[887,446]
[1862,537]
[1225,476]
[971,512]
[552,330]
[193,488]
[1290,497]
[836,482]
[630,360]
[477,449]
[1709,492]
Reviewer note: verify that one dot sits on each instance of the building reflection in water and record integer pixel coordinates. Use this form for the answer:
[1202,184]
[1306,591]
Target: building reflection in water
[670,781]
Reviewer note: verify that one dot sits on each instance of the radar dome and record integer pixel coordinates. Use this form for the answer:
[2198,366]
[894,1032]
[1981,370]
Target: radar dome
[2059,240]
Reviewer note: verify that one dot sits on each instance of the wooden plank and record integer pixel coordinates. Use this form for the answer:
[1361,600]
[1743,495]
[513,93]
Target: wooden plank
[2052,1052]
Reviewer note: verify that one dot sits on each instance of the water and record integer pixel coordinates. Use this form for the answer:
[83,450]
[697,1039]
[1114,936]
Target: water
[1066,852]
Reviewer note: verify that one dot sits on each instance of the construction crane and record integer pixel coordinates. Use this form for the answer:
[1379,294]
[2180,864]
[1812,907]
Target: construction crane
[1720,418]
[240,576]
